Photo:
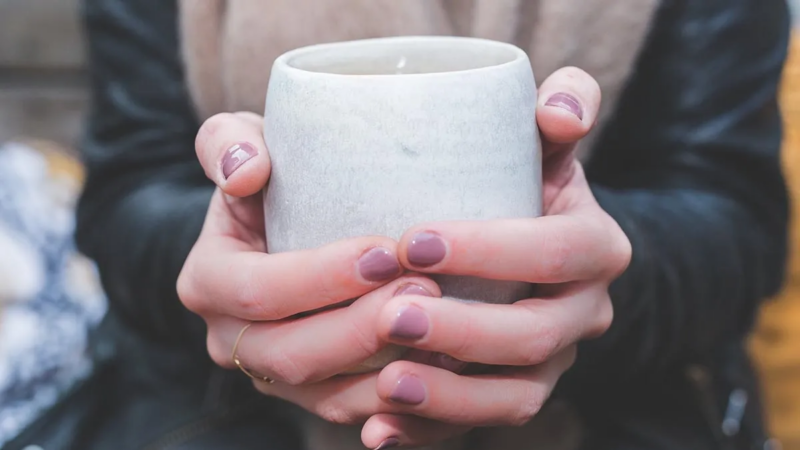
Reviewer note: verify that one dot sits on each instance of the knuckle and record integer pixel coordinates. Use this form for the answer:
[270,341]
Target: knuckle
[186,289]
[547,343]
[531,403]
[252,296]
[334,413]
[622,255]
[365,338]
[252,305]
[283,367]
[620,250]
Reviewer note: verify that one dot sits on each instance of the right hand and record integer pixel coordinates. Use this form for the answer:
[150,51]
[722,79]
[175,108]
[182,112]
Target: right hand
[230,281]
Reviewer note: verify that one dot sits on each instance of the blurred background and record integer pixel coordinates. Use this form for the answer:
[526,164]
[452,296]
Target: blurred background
[775,345]
[42,88]
[49,295]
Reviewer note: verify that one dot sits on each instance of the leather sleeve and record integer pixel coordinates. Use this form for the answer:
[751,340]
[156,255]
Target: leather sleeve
[146,194]
[691,170]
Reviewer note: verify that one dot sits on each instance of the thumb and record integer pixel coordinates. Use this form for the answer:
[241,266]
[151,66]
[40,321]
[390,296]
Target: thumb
[390,431]
[231,149]
[569,101]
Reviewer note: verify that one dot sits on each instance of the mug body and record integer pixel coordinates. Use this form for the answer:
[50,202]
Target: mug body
[369,138]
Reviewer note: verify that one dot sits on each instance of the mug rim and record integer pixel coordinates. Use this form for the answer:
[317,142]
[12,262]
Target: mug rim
[283,62]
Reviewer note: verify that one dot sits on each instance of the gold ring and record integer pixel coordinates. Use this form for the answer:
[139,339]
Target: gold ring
[238,363]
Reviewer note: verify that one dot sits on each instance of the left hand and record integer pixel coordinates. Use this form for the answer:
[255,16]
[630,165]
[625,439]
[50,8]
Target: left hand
[572,254]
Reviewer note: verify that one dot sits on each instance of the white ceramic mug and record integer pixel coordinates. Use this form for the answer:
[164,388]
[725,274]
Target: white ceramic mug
[372,137]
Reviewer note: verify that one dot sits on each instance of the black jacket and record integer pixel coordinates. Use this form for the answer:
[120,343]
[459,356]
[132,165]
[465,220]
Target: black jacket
[689,167]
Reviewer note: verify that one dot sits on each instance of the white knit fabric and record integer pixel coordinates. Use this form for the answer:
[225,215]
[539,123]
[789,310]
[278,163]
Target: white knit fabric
[49,295]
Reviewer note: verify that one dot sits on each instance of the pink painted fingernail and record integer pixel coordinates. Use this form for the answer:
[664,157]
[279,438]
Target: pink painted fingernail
[409,391]
[389,443]
[378,264]
[567,102]
[426,249]
[413,289]
[236,156]
[411,324]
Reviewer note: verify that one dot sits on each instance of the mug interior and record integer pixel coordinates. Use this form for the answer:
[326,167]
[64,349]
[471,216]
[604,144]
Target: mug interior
[403,56]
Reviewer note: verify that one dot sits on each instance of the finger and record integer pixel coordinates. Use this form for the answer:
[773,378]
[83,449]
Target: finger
[524,334]
[510,398]
[225,277]
[386,430]
[569,102]
[550,249]
[313,348]
[347,400]
[407,388]
[233,154]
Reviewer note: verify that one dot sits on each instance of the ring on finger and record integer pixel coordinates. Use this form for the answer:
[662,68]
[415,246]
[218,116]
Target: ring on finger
[238,362]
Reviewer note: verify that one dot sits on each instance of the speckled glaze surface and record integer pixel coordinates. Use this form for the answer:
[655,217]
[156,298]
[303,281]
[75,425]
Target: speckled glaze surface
[372,137]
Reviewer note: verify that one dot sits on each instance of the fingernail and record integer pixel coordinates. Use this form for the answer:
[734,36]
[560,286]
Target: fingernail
[409,391]
[378,264]
[426,249]
[411,324]
[412,289]
[389,443]
[567,102]
[236,156]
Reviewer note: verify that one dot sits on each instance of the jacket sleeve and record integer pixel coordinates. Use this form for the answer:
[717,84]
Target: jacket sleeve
[691,171]
[146,195]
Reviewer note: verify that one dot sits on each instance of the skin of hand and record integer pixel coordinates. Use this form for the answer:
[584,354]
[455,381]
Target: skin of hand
[572,254]
[230,281]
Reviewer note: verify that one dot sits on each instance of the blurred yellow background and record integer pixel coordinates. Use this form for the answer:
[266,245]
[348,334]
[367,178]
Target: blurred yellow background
[776,343]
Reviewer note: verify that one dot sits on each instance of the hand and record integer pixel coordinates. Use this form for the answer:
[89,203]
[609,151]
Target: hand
[572,255]
[230,281]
